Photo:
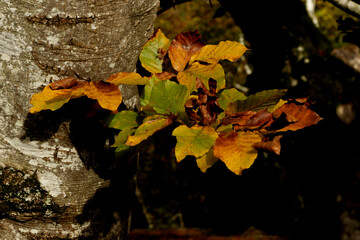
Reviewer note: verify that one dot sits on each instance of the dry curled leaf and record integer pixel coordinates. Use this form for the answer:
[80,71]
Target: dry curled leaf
[269,145]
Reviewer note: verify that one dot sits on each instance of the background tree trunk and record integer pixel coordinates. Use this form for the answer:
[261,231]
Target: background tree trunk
[56,180]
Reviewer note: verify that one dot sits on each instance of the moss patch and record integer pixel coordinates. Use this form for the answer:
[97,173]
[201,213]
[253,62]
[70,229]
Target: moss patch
[22,198]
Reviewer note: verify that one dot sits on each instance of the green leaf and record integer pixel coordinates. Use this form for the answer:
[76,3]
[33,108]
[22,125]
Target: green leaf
[195,141]
[123,119]
[168,97]
[121,139]
[228,96]
[204,73]
[145,96]
[259,101]
[149,126]
[151,57]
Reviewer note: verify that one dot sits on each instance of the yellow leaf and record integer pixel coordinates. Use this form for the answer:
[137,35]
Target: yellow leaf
[229,50]
[56,94]
[127,78]
[204,73]
[108,95]
[149,126]
[236,150]
[195,141]
[206,161]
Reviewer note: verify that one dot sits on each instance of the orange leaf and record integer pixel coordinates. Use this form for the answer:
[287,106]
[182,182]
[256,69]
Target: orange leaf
[236,150]
[299,116]
[183,47]
[108,95]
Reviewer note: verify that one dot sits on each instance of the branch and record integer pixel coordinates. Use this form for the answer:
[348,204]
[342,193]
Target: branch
[348,6]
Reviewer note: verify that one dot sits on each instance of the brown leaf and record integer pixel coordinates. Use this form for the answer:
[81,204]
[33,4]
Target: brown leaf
[183,47]
[298,116]
[65,83]
[271,146]
[248,119]
[165,75]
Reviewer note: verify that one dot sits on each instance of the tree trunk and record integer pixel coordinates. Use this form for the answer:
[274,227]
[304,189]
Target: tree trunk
[56,179]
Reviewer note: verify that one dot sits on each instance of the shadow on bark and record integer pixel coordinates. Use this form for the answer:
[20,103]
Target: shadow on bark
[108,211]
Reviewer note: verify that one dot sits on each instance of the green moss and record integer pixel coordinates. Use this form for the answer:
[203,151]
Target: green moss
[22,197]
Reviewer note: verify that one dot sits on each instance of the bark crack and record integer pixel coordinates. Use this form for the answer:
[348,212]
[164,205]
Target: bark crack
[59,21]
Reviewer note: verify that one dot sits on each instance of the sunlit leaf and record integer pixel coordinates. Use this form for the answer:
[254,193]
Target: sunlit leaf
[123,119]
[168,97]
[229,50]
[108,95]
[153,52]
[183,47]
[195,141]
[127,78]
[206,161]
[298,116]
[258,101]
[228,96]
[204,73]
[236,150]
[56,94]
[149,126]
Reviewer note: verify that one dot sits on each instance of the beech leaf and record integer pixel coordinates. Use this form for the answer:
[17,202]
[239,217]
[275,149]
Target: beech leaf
[206,161]
[271,146]
[258,101]
[236,150]
[168,97]
[204,73]
[123,119]
[127,78]
[299,116]
[121,138]
[229,50]
[153,52]
[228,96]
[183,47]
[149,126]
[56,94]
[108,95]
[195,141]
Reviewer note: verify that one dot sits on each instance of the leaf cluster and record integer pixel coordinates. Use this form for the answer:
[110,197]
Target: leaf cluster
[186,86]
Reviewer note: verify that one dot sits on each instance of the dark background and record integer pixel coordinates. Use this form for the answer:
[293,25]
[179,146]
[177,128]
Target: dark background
[310,191]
